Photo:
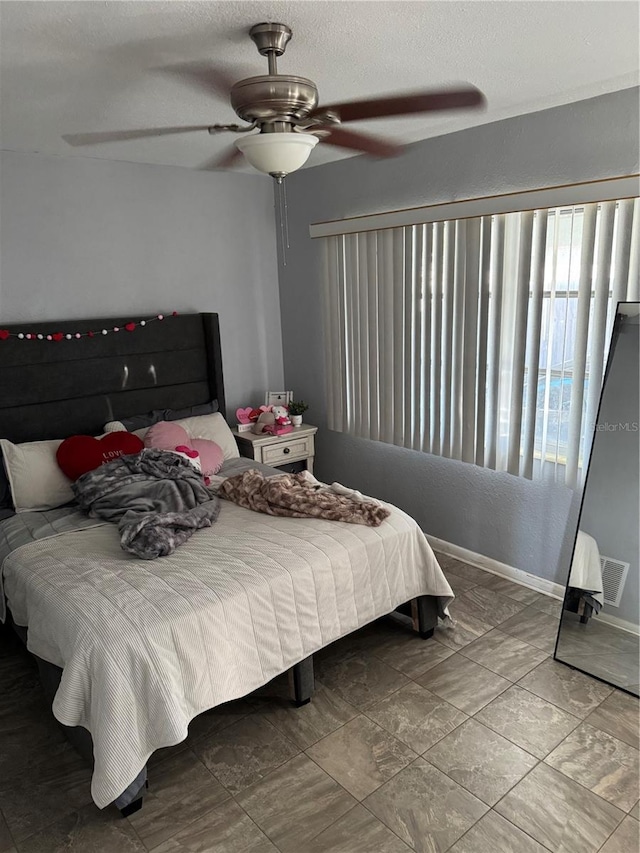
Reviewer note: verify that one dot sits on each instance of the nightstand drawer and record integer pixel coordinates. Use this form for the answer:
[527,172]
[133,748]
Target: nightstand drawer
[290,451]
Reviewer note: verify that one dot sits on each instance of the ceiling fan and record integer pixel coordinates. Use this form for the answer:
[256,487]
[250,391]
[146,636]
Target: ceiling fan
[284,109]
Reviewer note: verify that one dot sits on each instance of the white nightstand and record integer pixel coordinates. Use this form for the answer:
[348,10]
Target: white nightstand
[274,450]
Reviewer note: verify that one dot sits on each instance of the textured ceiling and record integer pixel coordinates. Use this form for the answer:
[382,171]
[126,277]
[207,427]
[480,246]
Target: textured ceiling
[72,67]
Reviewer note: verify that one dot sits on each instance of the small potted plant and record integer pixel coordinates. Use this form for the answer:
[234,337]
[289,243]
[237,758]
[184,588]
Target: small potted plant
[297,408]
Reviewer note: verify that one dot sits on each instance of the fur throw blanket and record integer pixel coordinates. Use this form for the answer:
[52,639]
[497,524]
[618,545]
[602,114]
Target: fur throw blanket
[300,496]
[157,499]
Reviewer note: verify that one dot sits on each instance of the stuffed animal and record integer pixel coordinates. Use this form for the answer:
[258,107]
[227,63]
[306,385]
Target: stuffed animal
[264,419]
[282,415]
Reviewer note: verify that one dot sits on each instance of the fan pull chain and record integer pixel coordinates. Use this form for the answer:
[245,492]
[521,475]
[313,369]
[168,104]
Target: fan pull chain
[286,212]
[283,216]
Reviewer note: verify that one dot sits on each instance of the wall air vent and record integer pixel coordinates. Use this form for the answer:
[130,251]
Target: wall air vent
[614,576]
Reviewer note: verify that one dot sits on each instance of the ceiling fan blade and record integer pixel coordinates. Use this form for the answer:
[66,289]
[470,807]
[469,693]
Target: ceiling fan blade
[205,76]
[226,160]
[397,105]
[375,145]
[122,135]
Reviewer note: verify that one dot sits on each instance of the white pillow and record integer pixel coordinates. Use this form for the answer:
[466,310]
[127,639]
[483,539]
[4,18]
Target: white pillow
[36,480]
[212,427]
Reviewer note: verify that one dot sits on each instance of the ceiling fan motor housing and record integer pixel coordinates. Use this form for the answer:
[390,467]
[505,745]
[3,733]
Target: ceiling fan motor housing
[271,38]
[268,98]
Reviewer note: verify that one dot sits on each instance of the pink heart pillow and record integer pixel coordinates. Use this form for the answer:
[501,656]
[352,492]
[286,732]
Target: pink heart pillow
[211,455]
[167,435]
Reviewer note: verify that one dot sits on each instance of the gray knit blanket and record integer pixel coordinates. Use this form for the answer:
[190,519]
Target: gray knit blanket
[157,499]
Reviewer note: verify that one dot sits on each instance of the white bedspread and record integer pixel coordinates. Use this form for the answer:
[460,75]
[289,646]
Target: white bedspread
[148,645]
[586,572]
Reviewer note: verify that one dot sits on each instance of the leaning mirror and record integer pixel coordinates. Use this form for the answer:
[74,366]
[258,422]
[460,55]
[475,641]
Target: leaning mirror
[599,629]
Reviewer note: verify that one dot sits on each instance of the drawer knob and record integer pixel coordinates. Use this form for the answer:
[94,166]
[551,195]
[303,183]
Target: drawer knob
[286,450]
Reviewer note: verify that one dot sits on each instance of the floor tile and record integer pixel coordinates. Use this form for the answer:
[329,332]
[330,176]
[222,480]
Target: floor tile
[305,726]
[244,752]
[570,690]
[226,829]
[596,638]
[598,655]
[490,607]
[559,813]
[516,591]
[464,570]
[361,680]
[483,762]
[6,842]
[218,718]
[426,808]
[29,735]
[361,756]
[552,606]
[534,627]
[357,832]
[416,716]
[626,838]
[410,654]
[494,834]
[505,655]
[635,811]
[603,764]
[181,790]
[619,715]
[616,668]
[527,720]
[89,830]
[37,796]
[362,641]
[463,683]
[459,584]
[161,755]
[466,626]
[295,803]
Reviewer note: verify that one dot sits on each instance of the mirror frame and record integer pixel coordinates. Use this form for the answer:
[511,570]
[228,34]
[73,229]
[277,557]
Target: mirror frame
[615,333]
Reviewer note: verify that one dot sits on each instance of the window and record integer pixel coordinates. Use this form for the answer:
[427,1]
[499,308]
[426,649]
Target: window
[480,338]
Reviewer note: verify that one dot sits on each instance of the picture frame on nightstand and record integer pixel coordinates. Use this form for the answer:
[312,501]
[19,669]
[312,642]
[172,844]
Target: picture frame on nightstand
[278,398]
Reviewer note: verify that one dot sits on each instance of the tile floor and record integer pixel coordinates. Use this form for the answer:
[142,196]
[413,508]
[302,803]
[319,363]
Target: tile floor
[475,741]
[602,650]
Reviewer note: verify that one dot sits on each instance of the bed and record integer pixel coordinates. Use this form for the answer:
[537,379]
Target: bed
[130,651]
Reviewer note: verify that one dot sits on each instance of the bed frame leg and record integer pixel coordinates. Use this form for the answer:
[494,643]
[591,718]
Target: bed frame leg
[132,808]
[586,613]
[302,682]
[425,615]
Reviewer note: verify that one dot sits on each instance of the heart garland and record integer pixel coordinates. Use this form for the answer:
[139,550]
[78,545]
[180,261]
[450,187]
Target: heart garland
[131,326]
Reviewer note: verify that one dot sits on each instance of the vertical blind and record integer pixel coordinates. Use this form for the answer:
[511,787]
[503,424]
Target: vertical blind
[481,339]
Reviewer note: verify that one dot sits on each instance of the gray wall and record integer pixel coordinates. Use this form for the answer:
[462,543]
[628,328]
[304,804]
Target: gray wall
[519,522]
[611,507]
[82,237]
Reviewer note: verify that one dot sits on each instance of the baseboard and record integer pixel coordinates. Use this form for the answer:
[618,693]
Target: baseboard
[621,624]
[547,587]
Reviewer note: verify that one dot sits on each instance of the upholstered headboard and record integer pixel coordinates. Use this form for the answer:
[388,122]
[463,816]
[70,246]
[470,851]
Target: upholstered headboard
[52,389]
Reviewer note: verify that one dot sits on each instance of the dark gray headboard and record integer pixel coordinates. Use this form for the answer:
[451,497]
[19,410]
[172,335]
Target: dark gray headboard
[52,389]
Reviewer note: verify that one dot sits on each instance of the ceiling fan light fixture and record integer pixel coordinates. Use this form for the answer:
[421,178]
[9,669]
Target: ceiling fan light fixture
[277,154]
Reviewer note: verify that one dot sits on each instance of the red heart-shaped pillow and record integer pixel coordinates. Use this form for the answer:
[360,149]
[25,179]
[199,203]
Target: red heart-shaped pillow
[81,453]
